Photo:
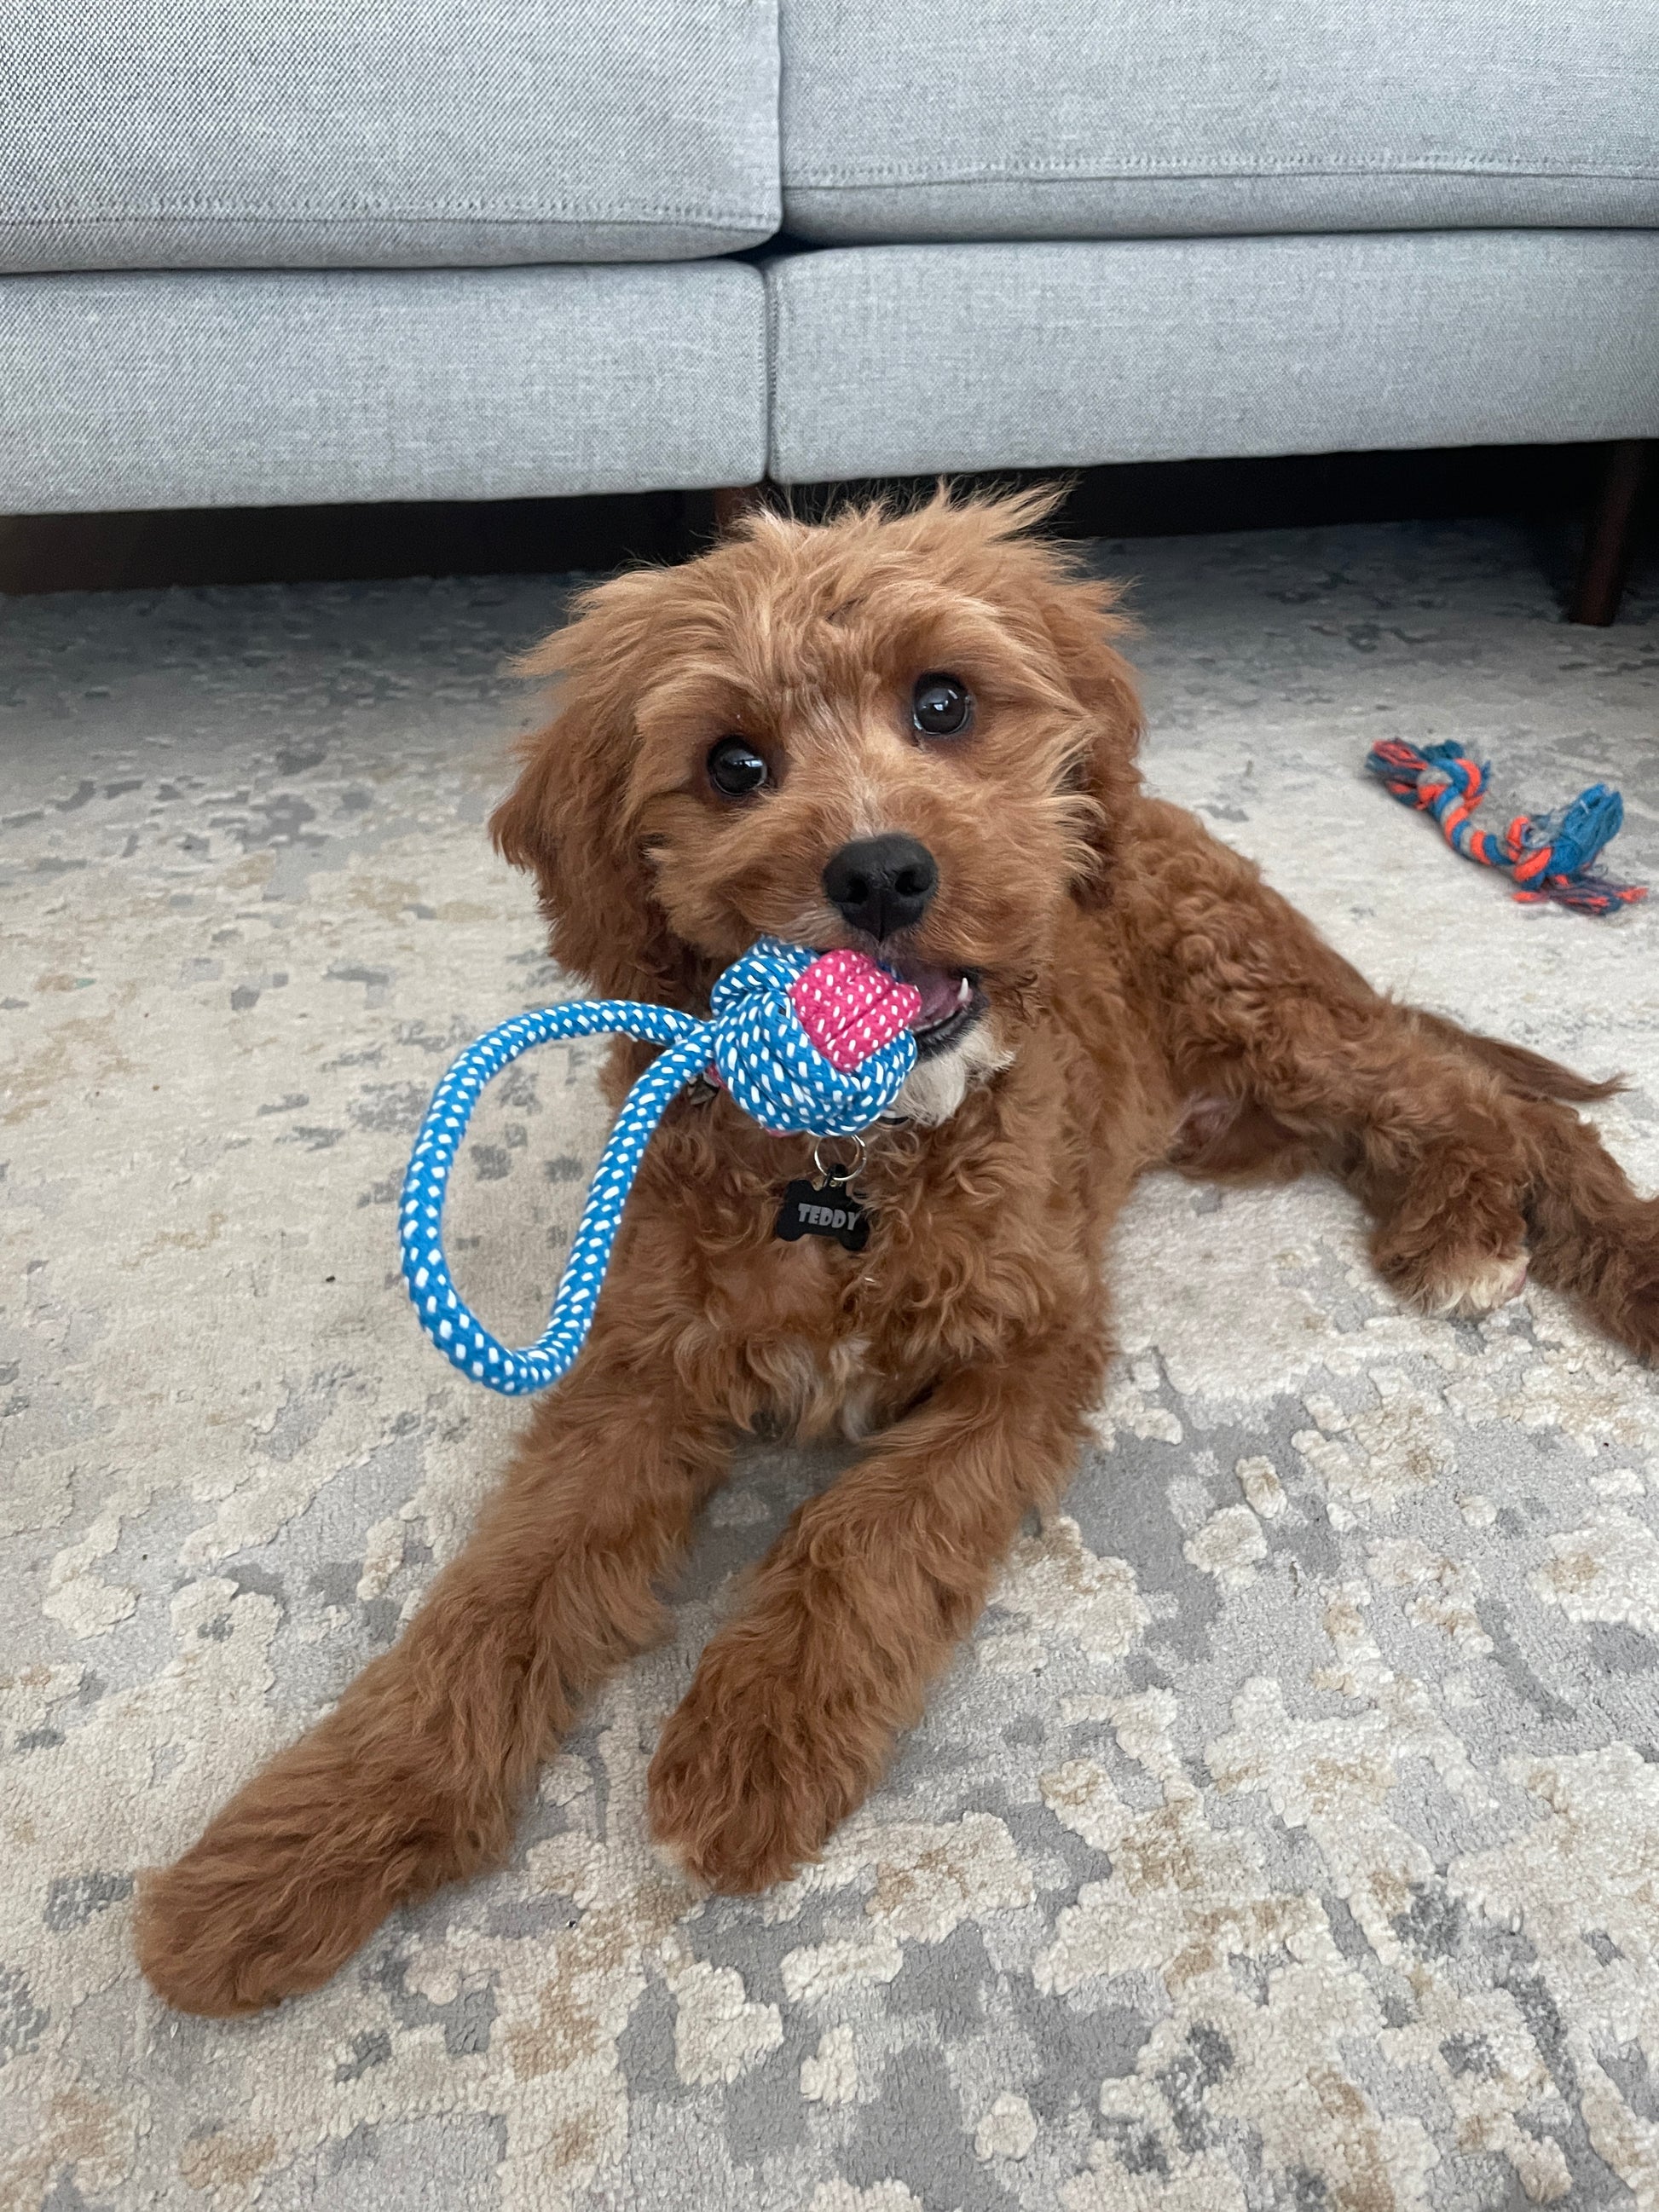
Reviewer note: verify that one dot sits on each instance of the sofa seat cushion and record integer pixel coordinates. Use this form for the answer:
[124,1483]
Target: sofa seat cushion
[256,388]
[905,360]
[174,134]
[1048,119]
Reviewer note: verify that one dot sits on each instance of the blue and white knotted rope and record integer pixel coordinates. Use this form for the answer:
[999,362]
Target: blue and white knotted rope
[771,1039]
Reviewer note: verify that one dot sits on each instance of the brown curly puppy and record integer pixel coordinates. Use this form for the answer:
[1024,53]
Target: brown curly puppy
[907,733]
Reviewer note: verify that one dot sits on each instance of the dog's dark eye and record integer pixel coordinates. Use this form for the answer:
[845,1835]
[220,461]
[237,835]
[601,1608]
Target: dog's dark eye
[941,706]
[736,768]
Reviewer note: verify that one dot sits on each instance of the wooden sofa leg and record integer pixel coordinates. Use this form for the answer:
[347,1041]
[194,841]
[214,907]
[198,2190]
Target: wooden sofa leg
[733,501]
[1600,583]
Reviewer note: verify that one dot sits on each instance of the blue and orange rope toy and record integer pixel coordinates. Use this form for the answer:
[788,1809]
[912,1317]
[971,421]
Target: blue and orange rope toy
[1546,856]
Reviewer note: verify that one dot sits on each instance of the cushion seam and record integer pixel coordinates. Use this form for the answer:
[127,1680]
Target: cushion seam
[1152,166]
[563,218]
[777,308]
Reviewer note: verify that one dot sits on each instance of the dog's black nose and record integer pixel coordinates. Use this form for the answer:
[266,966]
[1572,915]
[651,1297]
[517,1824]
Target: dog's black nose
[881,885]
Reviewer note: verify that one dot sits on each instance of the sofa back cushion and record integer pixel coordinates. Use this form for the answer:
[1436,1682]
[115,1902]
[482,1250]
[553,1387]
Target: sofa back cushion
[379,133]
[1106,118]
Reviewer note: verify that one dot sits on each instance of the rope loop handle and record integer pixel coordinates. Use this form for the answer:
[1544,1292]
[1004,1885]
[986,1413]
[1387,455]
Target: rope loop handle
[804,1043]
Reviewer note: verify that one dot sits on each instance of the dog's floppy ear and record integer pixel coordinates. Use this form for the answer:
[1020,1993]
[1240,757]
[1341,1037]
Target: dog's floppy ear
[1081,617]
[566,818]
[1078,617]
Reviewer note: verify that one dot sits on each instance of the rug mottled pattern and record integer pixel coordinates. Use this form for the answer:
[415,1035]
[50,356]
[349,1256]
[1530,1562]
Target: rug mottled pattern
[1288,1836]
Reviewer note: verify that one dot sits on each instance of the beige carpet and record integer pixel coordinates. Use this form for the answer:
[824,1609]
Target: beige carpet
[1289,1835]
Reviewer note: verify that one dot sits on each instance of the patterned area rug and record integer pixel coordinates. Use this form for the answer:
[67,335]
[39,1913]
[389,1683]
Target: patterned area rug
[1289,1834]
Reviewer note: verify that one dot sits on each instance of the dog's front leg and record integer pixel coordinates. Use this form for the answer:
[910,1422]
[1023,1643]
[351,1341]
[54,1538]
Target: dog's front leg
[415,1777]
[795,1708]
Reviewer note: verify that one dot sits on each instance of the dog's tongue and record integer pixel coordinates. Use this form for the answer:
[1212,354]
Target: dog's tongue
[940,994]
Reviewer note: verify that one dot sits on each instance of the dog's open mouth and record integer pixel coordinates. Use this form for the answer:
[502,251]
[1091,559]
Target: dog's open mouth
[952,1002]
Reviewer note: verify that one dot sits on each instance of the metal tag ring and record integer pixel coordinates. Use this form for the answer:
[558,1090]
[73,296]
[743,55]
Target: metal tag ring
[836,1172]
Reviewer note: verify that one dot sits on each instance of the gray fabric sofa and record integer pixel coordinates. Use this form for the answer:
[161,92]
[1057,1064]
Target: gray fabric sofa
[268,252]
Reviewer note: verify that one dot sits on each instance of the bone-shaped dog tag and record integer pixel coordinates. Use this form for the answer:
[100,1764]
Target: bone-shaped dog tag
[827,1210]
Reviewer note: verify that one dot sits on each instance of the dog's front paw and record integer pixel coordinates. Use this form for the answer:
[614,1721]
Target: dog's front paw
[748,1779]
[293,1875]
[221,1934]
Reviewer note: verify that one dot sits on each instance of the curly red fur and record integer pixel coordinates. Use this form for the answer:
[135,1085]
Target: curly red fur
[1150,998]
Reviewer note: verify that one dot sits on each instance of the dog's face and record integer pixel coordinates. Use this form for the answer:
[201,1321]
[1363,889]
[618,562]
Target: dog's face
[904,734]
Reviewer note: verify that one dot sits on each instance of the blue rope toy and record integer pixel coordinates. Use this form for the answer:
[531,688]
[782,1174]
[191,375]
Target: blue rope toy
[808,1043]
[1546,856]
